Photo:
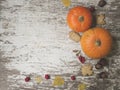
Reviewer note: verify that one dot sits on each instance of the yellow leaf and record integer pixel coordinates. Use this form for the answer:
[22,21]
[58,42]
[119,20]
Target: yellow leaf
[38,79]
[58,81]
[66,2]
[82,86]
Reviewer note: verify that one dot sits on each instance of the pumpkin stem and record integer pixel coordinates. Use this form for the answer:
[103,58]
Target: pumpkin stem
[98,43]
[81,18]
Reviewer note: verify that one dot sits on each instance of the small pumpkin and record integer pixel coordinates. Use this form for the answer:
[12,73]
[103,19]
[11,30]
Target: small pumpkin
[79,19]
[96,42]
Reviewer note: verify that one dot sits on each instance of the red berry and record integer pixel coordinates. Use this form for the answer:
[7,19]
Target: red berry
[47,76]
[27,79]
[81,59]
[73,77]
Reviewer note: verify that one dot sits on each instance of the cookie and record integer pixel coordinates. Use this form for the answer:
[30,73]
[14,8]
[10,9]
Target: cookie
[100,19]
[74,36]
[87,70]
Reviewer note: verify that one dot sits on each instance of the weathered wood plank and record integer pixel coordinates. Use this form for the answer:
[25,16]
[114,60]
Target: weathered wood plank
[33,40]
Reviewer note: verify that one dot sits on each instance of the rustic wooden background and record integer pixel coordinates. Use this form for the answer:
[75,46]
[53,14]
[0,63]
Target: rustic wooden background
[34,41]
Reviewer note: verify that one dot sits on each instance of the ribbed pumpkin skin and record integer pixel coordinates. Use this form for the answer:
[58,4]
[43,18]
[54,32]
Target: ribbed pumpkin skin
[88,43]
[74,22]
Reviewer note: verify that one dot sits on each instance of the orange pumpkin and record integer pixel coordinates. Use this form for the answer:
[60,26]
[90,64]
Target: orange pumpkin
[79,19]
[96,42]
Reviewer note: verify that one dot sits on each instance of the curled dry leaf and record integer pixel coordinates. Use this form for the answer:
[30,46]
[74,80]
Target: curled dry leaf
[74,36]
[100,19]
[78,54]
[75,51]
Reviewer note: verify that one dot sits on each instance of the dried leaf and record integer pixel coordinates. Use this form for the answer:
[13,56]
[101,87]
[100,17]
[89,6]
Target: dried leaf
[75,51]
[58,81]
[38,79]
[66,3]
[82,86]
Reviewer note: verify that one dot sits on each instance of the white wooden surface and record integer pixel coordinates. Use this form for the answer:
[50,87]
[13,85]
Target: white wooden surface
[34,40]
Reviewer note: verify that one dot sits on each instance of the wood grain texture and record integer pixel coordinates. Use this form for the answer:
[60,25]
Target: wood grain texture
[33,40]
